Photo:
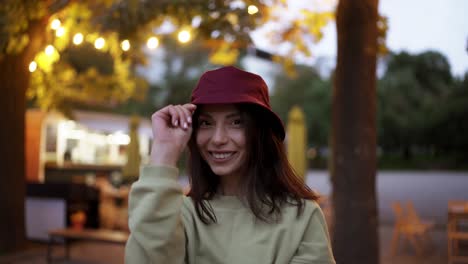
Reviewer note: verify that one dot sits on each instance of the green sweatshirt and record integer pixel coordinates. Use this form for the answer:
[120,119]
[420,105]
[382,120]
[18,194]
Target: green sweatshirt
[166,229]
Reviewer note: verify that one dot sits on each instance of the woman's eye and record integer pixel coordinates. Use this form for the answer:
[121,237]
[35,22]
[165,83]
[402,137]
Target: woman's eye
[237,122]
[203,123]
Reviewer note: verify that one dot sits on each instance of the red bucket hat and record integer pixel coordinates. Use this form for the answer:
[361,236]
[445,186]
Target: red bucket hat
[230,85]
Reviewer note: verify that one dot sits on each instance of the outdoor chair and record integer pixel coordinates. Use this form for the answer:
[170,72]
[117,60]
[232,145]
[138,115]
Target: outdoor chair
[415,219]
[457,230]
[409,226]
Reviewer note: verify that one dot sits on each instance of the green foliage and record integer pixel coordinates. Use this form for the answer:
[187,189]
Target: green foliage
[422,114]
[182,67]
[422,108]
[71,74]
[313,94]
[15,17]
[449,123]
[84,74]
[234,22]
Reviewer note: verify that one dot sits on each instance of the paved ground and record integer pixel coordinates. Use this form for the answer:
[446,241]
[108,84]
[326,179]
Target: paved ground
[94,253]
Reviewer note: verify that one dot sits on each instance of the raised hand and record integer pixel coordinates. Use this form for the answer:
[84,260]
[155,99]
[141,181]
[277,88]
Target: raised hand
[172,128]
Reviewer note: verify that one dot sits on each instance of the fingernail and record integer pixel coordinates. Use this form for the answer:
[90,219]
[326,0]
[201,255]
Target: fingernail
[185,125]
[189,119]
[176,122]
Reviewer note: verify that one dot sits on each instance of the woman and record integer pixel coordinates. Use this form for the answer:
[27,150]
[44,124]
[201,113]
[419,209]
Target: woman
[245,204]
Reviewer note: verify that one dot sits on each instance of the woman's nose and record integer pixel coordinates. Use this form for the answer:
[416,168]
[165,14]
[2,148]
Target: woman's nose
[220,135]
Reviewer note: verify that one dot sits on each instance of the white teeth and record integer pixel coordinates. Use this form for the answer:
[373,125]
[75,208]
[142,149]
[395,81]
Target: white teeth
[221,155]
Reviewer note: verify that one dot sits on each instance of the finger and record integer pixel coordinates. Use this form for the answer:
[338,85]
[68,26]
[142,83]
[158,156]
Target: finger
[191,109]
[175,116]
[187,115]
[163,113]
[182,116]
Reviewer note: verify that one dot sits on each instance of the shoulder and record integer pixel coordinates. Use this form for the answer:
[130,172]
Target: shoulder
[188,207]
[292,212]
[310,207]
[187,202]
[313,210]
[315,240]
[311,215]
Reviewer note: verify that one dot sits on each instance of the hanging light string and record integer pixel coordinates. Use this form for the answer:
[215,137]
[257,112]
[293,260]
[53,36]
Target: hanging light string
[184,36]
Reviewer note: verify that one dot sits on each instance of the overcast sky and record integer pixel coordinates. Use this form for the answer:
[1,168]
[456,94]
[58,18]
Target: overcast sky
[414,26]
[418,25]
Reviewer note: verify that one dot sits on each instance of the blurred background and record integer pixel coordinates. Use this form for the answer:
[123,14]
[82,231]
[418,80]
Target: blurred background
[81,79]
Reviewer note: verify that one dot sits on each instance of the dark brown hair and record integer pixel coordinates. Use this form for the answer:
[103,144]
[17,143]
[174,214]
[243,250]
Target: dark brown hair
[269,182]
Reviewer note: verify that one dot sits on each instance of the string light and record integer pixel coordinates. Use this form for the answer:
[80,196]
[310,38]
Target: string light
[32,66]
[55,24]
[60,32]
[184,36]
[49,50]
[78,39]
[99,43]
[125,45]
[252,9]
[152,42]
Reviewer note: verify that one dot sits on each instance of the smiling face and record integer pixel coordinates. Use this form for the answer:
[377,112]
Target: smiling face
[221,139]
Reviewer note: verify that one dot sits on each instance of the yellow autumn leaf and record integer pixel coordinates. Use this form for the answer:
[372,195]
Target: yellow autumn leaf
[225,55]
[302,47]
[232,18]
[287,63]
[45,61]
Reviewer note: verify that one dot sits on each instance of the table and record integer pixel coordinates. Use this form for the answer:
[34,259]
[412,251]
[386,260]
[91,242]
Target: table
[456,231]
[457,212]
[96,235]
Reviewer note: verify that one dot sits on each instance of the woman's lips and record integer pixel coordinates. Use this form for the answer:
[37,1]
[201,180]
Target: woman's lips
[221,156]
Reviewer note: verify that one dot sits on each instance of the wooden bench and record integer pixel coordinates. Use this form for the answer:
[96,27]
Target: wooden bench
[69,235]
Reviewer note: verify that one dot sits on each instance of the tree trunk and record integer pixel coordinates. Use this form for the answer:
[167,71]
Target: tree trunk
[14,79]
[353,165]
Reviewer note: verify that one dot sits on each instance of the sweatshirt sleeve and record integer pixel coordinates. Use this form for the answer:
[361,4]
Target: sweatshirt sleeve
[315,245]
[156,229]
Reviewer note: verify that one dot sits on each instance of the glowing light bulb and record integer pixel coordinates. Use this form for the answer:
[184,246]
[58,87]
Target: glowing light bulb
[32,66]
[152,42]
[125,45]
[49,50]
[252,9]
[60,32]
[55,24]
[99,43]
[184,36]
[78,39]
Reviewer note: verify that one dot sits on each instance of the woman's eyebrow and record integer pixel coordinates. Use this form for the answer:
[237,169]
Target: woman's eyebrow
[204,115]
[234,114]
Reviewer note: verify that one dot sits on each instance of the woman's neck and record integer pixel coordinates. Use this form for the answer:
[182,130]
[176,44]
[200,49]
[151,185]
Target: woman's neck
[230,185]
